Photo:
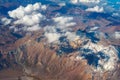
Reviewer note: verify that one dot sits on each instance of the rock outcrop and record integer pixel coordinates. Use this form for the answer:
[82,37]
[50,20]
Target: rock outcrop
[40,62]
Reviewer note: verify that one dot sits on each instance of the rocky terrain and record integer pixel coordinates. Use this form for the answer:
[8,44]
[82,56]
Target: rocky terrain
[52,41]
[40,61]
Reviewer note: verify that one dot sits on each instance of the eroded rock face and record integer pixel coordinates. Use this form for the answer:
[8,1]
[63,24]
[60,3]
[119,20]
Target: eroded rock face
[40,62]
[79,49]
[86,60]
[93,47]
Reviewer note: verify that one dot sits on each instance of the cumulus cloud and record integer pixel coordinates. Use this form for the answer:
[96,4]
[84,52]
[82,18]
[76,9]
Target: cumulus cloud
[61,28]
[95,9]
[74,1]
[51,34]
[84,1]
[29,16]
[90,1]
[64,22]
[71,36]
[30,20]
[6,21]
[117,34]
[34,28]
[62,4]
[55,36]
[115,14]
[52,37]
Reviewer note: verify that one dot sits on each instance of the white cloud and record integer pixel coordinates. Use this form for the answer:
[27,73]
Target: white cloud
[5,21]
[51,34]
[84,1]
[74,1]
[50,29]
[64,22]
[29,16]
[52,37]
[115,14]
[34,28]
[62,4]
[95,9]
[90,1]
[30,20]
[117,34]
[71,36]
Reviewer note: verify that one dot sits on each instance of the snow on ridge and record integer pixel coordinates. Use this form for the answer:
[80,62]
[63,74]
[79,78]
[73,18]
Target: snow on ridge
[107,63]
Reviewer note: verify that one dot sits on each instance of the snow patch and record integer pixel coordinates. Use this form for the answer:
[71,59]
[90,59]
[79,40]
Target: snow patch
[107,55]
